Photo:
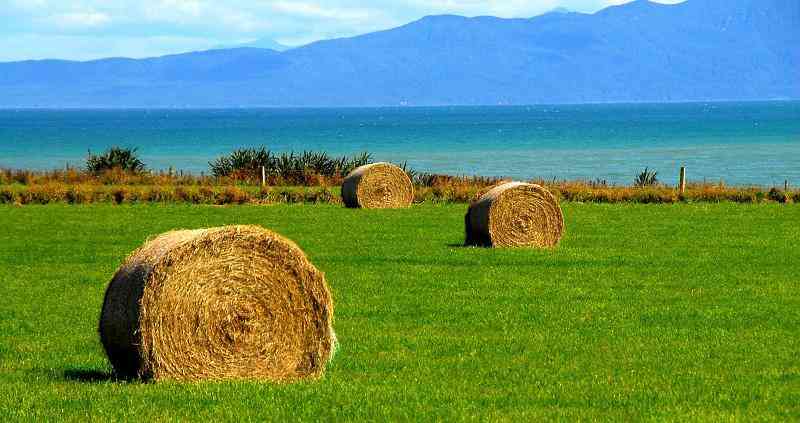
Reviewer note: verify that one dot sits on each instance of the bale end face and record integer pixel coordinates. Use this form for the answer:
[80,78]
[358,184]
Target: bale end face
[515,215]
[378,186]
[236,302]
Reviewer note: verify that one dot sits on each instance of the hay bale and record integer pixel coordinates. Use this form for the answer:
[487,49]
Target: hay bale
[237,302]
[515,214]
[378,186]
[486,189]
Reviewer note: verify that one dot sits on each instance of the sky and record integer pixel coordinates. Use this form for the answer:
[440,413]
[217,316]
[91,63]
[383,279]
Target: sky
[91,29]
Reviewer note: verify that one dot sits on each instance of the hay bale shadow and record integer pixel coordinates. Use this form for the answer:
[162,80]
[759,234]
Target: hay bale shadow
[89,376]
[463,245]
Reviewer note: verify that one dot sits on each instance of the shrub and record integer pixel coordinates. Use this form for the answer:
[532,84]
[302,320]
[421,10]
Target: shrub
[232,195]
[79,194]
[8,195]
[207,194]
[287,195]
[241,163]
[744,197]
[158,194]
[124,159]
[319,196]
[306,168]
[191,195]
[118,194]
[655,197]
[777,196]
[647,178]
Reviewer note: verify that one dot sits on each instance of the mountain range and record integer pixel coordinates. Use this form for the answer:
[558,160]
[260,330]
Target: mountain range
[267,43]
[698,50]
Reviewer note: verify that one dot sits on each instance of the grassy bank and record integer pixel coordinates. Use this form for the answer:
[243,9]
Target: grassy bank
[673,312]
[305,185]
[449,191]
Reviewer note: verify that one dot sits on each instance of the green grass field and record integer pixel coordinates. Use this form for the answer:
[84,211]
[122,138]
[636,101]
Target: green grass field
[679,312]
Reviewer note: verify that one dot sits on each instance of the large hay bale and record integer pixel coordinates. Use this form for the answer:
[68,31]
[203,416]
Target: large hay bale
[486,189]
[515,214]
[378,186]
[237,302]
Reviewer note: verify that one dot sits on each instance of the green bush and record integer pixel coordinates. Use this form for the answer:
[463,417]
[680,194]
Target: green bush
[115,158]
[778,196]
[291,168]
[647,178]
[8,195]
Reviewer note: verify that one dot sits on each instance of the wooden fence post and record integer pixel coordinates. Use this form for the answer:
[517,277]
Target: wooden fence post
[786,185]
[263,176]
[682,184]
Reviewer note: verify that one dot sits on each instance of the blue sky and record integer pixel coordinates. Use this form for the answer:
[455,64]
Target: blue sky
[89,29]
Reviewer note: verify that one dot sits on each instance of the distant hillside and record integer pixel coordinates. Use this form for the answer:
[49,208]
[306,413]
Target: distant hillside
[641,51]
[260,43]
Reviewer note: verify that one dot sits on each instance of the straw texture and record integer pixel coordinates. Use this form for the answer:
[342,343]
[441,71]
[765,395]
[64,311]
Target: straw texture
[237,302]
[378,186]
[515,214]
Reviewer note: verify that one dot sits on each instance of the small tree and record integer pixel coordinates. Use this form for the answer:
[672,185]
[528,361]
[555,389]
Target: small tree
[124,159]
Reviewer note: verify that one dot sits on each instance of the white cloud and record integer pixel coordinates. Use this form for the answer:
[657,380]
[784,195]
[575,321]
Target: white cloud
[82,47]
[314,10]
[502,8]
[78,20]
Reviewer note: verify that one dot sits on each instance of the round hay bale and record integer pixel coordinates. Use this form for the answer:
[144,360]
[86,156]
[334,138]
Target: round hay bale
[378,186]
[515,214]
[486,189]
[237,302]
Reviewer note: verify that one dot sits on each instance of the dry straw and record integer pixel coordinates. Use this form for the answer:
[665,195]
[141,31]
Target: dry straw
[237,302]
[378,186]
[515,214]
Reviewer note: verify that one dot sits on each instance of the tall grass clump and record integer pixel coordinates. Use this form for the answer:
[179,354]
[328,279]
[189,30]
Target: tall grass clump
[306,168]
[115,158]
[647,178]
[242,163]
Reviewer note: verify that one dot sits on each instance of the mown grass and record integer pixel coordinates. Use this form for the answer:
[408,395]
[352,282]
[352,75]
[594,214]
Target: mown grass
[669,312]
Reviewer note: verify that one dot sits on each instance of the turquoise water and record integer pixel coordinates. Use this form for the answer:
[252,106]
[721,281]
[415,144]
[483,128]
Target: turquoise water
[740,143]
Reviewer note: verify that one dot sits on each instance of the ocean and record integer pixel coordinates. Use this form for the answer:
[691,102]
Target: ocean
[738,143]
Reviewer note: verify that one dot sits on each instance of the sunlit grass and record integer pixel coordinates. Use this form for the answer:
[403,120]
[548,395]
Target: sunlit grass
[675,312]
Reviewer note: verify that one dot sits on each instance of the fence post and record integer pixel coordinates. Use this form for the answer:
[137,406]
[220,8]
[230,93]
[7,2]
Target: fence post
[682,184]
[263,176]
[786,185]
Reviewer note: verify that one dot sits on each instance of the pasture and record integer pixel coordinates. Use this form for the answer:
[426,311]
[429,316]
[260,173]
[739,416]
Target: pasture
[668,312]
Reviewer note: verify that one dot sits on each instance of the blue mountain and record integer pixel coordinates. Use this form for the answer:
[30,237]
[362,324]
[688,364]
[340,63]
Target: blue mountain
[699,50]
[267,43]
